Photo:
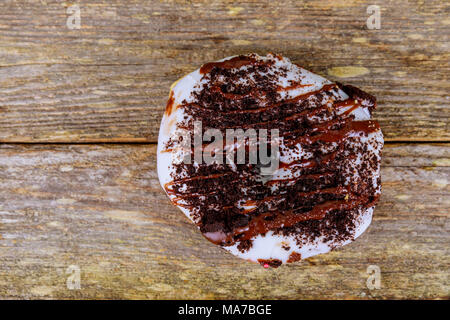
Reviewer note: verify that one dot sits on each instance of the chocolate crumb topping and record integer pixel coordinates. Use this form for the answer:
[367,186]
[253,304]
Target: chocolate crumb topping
[274,263]
[294,256]
[326,191]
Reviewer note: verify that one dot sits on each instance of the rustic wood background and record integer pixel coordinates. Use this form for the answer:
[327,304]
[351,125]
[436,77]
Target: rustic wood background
[79,116]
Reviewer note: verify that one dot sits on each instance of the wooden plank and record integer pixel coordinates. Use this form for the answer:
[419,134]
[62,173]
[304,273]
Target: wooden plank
[109,80]
[100,207]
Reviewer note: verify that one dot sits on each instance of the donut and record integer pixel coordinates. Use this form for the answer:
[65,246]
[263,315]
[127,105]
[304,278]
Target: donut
[308,176]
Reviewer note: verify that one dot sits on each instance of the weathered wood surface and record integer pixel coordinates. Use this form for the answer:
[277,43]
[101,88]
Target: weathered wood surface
[108,81]
[100,207]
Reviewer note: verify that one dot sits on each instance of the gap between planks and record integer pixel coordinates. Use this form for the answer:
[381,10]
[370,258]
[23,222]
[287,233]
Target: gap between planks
[95,142]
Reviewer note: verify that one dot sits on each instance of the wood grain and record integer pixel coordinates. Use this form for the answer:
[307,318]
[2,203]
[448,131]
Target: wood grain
[100,207]
[108,81]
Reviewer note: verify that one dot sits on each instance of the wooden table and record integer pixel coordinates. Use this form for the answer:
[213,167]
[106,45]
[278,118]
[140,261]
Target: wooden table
[79,117]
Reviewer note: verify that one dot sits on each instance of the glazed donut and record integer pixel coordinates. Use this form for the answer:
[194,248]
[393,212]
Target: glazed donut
[320,194]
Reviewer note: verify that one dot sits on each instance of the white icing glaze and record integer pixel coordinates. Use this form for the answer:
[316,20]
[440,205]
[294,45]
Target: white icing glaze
[270,245]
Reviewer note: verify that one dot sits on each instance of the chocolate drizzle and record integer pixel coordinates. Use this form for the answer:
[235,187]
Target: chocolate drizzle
[233,63]
[170,104]
[324,193]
